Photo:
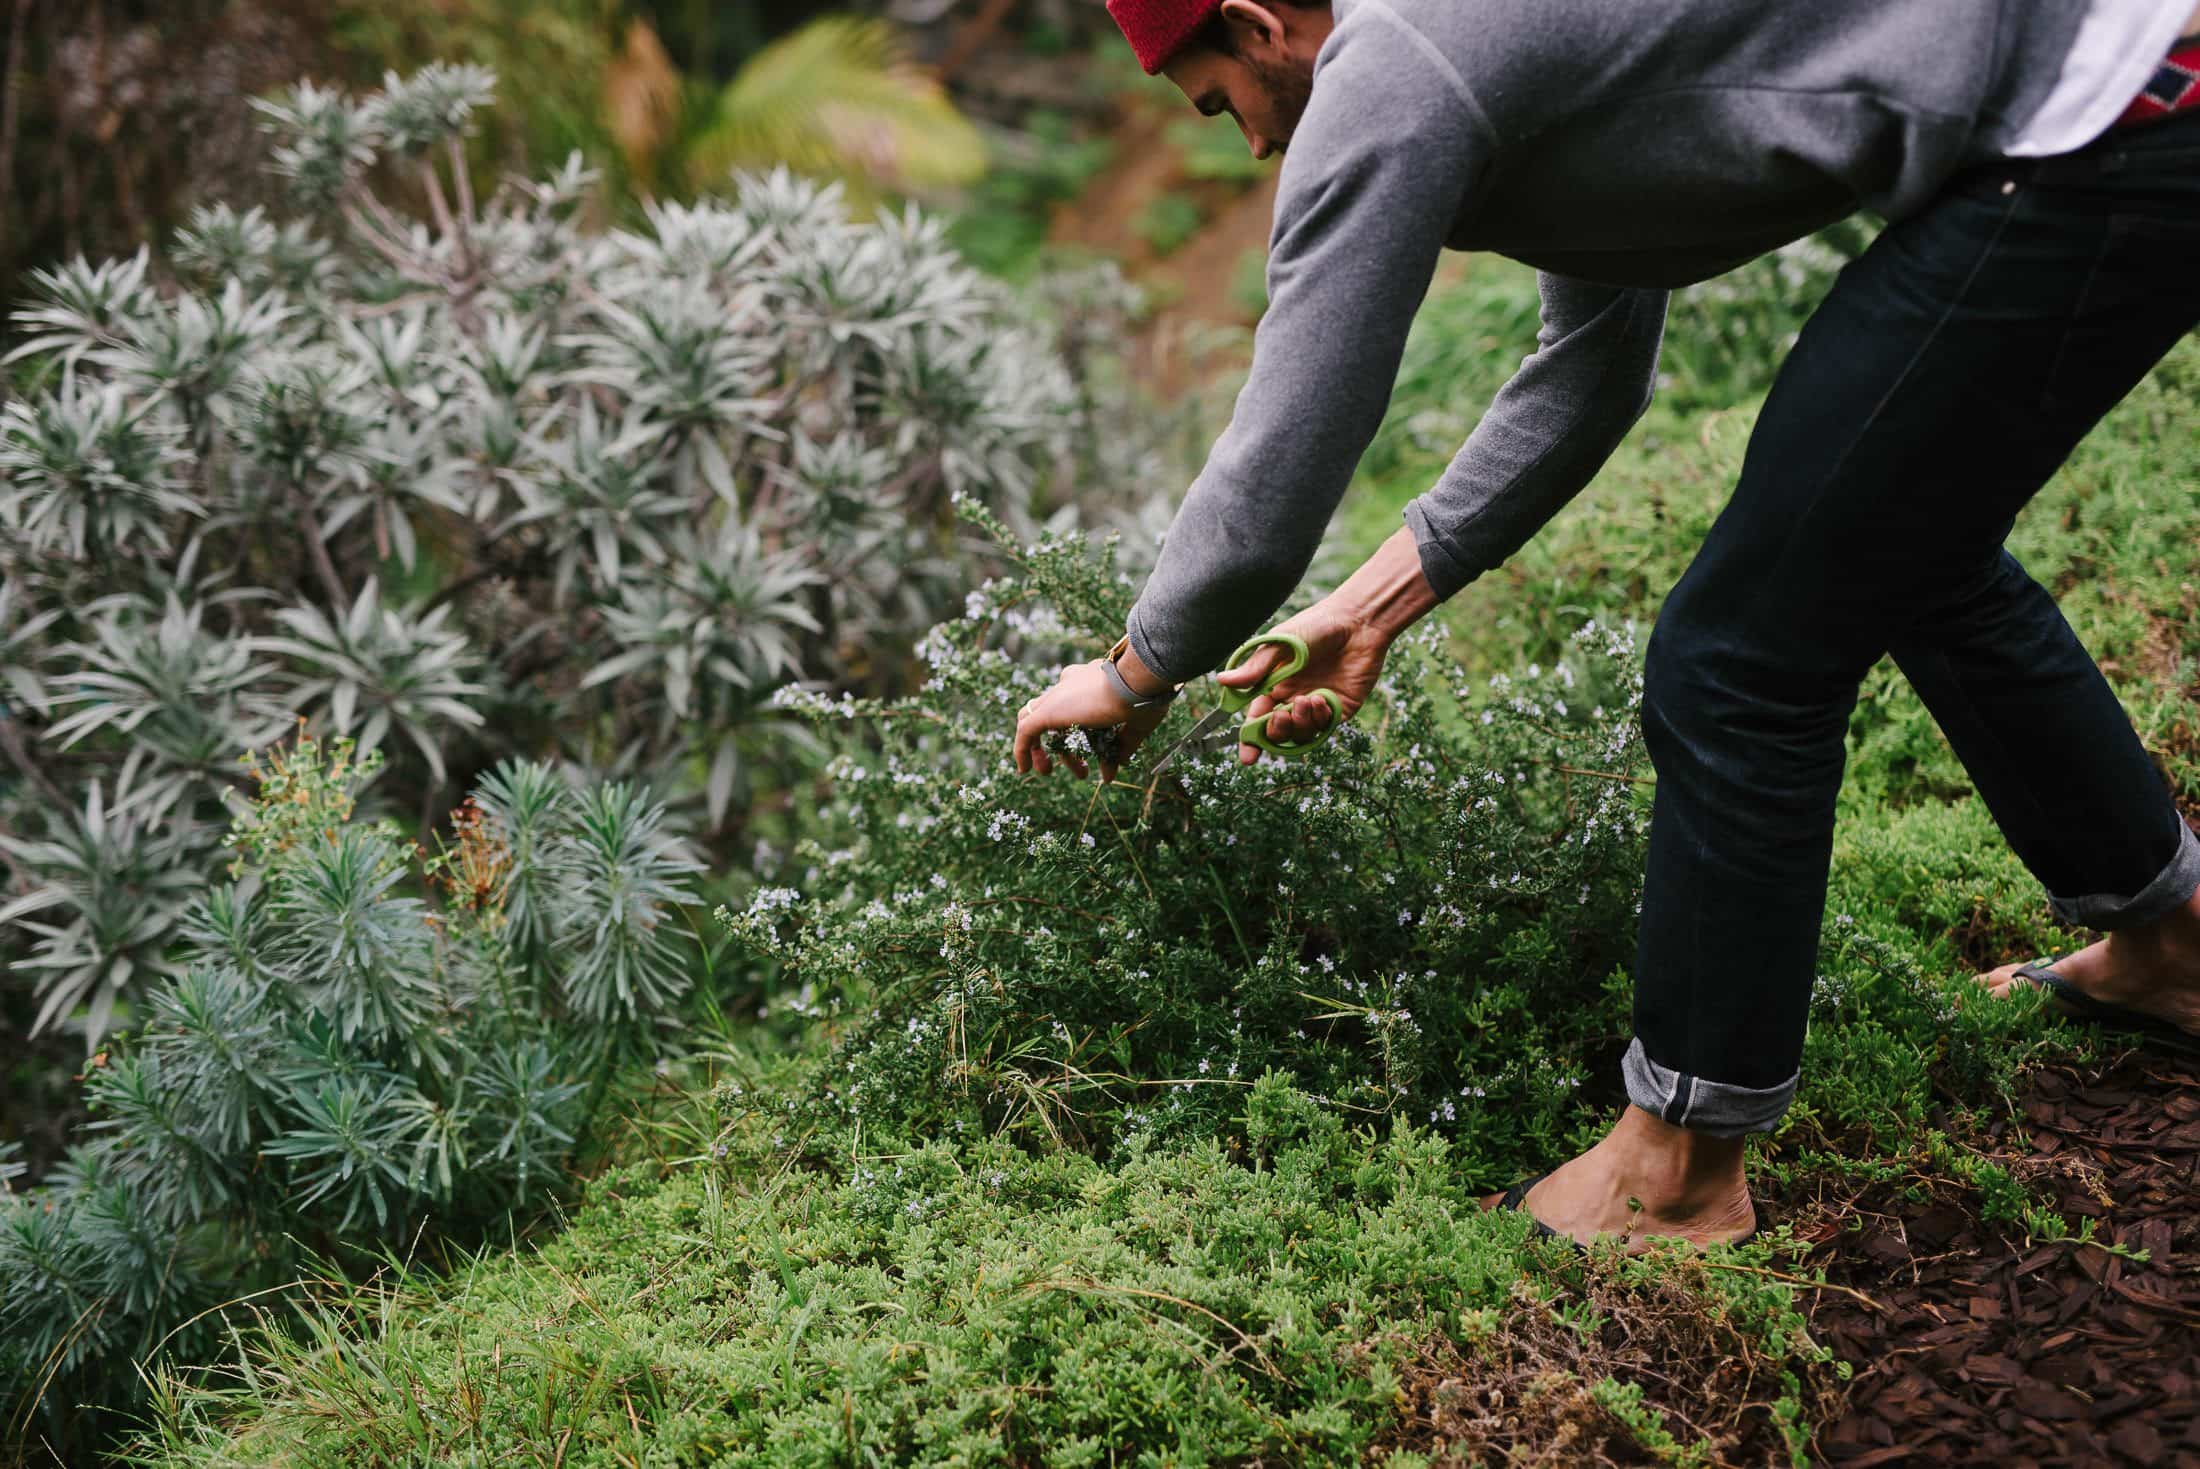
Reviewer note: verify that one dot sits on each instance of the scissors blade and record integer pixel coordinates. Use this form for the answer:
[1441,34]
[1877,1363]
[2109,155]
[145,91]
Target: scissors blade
[1209,722]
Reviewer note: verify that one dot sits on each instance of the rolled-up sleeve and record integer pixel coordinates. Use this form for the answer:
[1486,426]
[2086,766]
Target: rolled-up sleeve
[1374,175]
[1547,431]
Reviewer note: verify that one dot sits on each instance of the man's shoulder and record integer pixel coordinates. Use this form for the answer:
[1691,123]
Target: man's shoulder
[1496,40]
[1380,72]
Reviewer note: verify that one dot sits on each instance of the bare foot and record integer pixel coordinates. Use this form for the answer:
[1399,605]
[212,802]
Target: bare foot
[1647,1177]
[2154,970]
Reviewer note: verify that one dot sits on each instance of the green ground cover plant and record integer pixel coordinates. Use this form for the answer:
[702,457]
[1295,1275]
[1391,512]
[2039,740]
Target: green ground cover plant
[973,1303]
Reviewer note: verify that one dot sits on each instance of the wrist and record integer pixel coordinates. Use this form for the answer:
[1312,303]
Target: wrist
[1389,592]
[1135,674]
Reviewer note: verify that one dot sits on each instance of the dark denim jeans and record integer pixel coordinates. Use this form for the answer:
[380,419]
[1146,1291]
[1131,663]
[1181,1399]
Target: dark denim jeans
[1950,371]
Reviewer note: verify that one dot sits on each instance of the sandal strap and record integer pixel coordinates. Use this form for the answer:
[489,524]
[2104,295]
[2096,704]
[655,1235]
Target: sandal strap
[2114,1018]
[2073,1000]
[1515,1196]
[2041,971]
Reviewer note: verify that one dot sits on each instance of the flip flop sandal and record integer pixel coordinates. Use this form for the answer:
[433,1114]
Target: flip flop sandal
[2113,1018]
[1516,1198]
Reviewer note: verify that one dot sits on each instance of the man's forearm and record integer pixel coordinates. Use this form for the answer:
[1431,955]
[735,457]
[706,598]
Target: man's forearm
[1547,431]
[1390,590]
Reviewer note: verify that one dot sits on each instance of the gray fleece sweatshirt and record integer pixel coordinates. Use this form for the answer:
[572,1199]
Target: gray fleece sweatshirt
[1621,149]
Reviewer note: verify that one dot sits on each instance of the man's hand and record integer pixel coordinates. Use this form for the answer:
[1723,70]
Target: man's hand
[1344,651]
[1082,698]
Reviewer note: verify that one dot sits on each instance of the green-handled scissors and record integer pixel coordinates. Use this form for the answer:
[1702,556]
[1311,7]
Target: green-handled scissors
[1254,731]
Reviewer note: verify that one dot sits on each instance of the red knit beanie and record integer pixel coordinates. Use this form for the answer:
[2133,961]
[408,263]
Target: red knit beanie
[1156,28]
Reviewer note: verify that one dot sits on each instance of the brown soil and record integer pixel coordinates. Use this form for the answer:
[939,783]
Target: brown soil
[1521,1395]
[1987,1351]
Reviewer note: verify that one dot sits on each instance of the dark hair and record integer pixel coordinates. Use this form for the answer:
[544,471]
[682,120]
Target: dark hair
[1217,34]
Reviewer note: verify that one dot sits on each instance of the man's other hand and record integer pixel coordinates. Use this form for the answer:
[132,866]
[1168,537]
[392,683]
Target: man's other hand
[1082,698]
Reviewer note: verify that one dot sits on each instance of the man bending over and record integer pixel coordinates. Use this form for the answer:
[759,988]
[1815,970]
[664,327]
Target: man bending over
[2039,166]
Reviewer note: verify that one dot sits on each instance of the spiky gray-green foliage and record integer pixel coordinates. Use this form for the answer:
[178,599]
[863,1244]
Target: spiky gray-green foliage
[115,884]
[467,481]
[349,1046]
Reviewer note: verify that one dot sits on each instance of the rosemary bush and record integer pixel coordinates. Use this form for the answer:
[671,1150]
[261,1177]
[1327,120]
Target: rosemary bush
[1424,918]
[466,481]
[355,1043]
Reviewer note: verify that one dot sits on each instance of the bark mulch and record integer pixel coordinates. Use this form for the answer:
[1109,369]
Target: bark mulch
[1989,1352]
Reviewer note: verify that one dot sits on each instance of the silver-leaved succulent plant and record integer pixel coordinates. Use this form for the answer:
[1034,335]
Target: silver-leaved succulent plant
[452,474]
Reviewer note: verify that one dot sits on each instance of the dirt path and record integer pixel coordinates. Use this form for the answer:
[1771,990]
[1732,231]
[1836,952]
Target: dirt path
[1191,284]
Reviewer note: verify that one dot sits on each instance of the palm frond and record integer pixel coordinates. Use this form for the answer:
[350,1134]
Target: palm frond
[839,98]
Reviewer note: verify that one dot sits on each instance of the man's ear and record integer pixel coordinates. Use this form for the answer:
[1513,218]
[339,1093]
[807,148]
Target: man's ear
[1258,27]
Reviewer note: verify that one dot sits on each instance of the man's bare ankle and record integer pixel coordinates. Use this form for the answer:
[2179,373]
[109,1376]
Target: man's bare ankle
[1686,1170]
[2175,935]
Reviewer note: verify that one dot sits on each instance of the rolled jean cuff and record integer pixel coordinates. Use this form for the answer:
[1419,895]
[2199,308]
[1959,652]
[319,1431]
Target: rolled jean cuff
[1716,1108]
[2171,888]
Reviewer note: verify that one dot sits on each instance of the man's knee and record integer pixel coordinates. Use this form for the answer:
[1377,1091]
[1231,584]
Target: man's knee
[1682,695]
[1747,705]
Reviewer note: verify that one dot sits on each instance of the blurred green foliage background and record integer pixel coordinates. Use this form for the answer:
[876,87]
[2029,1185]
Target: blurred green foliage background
[116,116]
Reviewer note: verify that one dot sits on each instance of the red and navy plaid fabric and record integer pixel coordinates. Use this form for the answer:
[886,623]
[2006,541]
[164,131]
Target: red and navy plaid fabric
[2175,87]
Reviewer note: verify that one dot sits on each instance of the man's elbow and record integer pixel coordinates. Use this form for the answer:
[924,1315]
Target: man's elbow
[1647,328]
[1255,579]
